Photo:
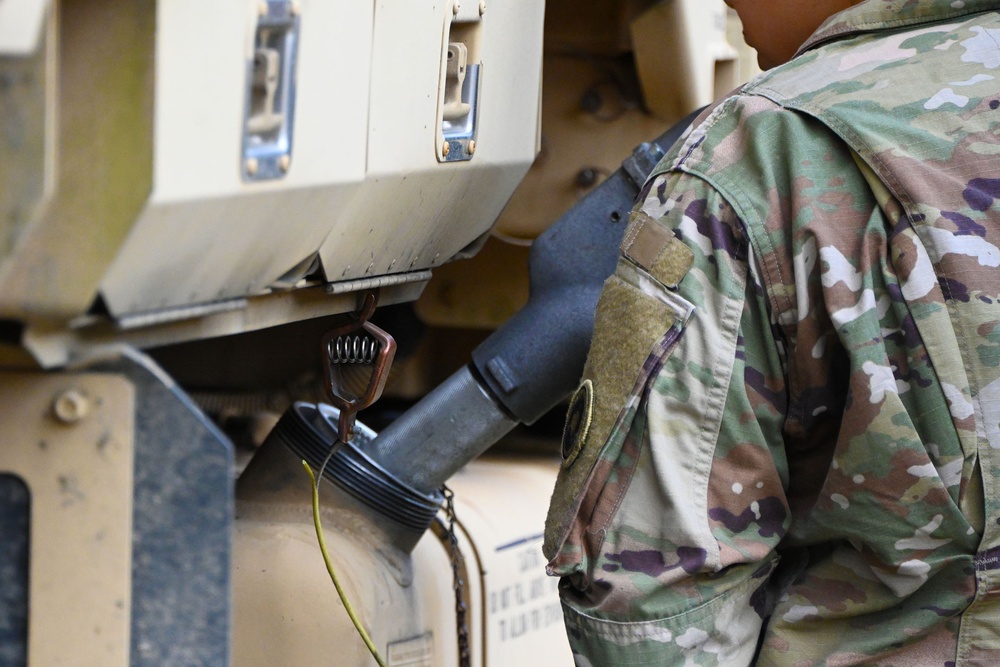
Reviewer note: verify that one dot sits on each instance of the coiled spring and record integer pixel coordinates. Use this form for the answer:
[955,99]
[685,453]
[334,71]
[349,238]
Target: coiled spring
[353,350]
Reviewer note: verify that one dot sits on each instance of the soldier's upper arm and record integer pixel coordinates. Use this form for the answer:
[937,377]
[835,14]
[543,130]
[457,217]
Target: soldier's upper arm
[671,498]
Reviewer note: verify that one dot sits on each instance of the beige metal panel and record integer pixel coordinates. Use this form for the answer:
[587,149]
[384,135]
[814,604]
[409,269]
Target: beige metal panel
[198,252]
[574,139]
[58,345]
[27,117]
[206,234]
[501,502]
[412,210]
[203,54]
[104,174]
[682,55]
[287,612]
[419,220]
[21,26]
[481,293]
[590,26]
[72,443]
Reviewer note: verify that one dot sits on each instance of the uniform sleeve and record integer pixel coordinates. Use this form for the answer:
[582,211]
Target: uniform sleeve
[671,498]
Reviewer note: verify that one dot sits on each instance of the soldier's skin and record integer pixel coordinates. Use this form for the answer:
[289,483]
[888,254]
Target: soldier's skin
[777,28]
[786,448]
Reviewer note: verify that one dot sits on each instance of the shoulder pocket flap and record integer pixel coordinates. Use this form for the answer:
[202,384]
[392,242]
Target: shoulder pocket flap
[629,330]
[654,247]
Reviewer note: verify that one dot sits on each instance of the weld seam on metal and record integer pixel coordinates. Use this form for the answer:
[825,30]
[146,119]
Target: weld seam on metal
[147,319]
[362,284]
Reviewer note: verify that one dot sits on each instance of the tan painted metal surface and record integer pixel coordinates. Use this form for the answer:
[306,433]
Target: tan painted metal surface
[459,295]
[205,234]
[575,140]
[56,345]
[502,501]
[441,207]
[21,26]
[686,54]
[69,437]
[694,66]
[286,611]
[128,192]
[364,187]
[26,121]
[99,92]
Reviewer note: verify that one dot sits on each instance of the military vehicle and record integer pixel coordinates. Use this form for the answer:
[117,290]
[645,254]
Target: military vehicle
[228,227]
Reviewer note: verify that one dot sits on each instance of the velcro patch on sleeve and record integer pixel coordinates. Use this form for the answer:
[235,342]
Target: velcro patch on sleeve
[654,247]
[627,327]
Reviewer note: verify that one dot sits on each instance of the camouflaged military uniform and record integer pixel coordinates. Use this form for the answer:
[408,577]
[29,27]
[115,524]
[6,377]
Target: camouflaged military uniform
[786,450]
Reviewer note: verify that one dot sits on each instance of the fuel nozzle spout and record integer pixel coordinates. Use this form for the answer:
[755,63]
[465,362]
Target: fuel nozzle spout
[536,358]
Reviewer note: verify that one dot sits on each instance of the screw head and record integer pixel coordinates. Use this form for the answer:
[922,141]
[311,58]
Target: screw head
[284,162]
[456,8]
[252,166]
[586,177]
[70,406]
[445,148]
[482,7]
[472,147]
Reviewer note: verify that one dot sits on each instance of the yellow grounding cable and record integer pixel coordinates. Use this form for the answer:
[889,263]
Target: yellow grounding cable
[333,575]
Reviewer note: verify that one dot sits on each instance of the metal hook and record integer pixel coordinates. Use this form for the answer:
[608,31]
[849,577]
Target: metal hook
[353,342]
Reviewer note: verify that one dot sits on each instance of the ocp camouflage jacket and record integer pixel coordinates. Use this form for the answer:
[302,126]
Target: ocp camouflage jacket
[786,449]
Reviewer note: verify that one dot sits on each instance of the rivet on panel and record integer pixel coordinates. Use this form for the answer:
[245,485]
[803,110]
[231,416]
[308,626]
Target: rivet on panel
[482,8]
[284,162]
[456,8]
[262,8]
[296,9]
[472,147]
[445,149]
[251,166]
[70,406]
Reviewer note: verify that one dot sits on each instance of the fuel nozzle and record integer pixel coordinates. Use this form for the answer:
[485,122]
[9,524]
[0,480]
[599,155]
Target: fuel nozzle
[536,358]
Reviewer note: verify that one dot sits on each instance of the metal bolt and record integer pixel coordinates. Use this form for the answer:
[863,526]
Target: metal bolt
[252,165]
[456,8]
[445,148]
[284,162]
[472,146]
[70,406]
[586,177]
[482,8]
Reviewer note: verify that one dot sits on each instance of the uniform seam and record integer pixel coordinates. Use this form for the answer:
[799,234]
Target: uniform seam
[770,270]
[745,583]
[868,27]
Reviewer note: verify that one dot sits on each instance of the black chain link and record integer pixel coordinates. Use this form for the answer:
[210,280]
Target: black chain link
[461,610]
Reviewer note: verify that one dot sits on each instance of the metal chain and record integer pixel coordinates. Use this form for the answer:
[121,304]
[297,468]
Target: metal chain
[461,611]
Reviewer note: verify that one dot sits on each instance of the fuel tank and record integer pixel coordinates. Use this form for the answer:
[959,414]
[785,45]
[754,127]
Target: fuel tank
[400,581]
